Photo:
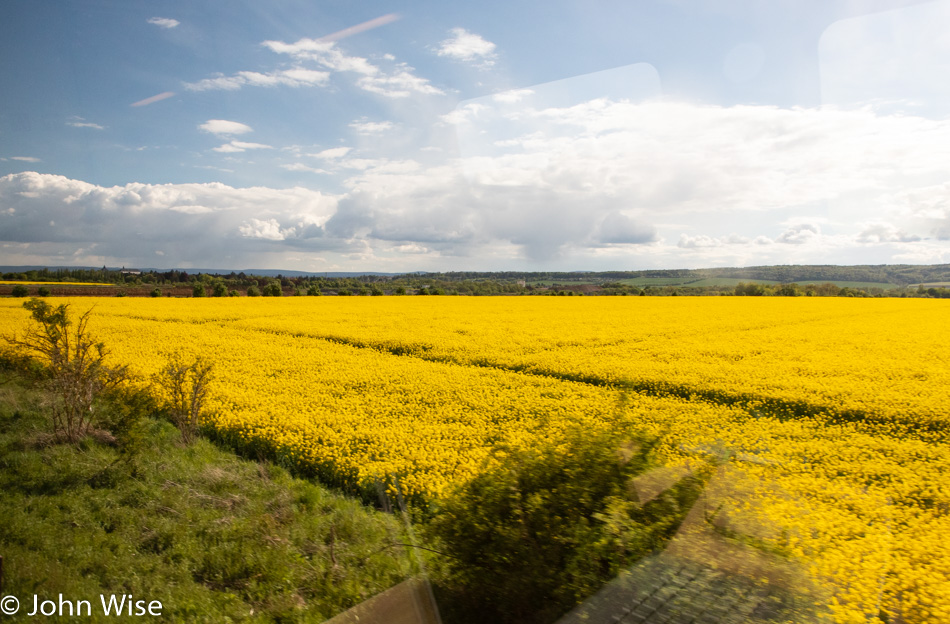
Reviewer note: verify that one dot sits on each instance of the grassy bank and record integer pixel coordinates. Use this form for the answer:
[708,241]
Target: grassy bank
[213,537]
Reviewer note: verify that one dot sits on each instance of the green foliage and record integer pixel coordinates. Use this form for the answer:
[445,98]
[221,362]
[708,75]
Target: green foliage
[220,289]
[198,290]
[253,291]
[156,292]
[20,291]
[544,528]
[272,290]
[313,291]
[376,292]
[213,537]
[77,373]
[43,291]
[401,290]
[187,386]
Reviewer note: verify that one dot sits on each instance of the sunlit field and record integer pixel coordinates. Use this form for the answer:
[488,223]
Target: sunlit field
[830,413]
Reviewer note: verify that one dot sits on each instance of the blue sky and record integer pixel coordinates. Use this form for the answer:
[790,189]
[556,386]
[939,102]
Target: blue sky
[453,136]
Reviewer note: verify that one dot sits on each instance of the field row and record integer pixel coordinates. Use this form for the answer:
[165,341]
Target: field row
[864,512]
[883,360]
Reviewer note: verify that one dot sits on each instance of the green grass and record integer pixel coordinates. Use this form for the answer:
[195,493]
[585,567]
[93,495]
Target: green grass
[213,537]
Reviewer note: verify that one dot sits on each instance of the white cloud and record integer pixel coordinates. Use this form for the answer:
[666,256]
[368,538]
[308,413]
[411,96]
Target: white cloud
[332,153]
[295,77]
[468,47]
[371,127]
[198,224]
[885,233]
[400,84]
[79,122]
[464,113]
[269,229]
[163,22]
[303,167]
[29,159]
[247,146]
[227,148]
[225,127]
[701,241]
[652,182]
[512,96]
[239,146]
[800,234]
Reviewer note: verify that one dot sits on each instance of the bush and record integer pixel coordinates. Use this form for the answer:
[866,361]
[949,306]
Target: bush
[314,291]
[76,362]
[20,291]
[156,292]
[272,290]
[198,290]
[187,387]
[43,291]
[547,527]
[220,290]
[252,291]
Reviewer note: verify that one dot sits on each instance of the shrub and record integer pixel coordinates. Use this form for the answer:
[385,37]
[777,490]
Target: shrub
[253,291]
[198,290]
[220,290]
[272,290]
[77,370]
[313,291]
[186,387]
[43,291]
[156,292]
[546,527]
[20,291]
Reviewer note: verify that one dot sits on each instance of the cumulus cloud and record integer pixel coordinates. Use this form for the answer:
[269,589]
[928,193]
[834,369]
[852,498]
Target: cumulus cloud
[225,127]
[190,223]
[619,229]
[468,47]
[601,179]
[163,22]
[885,233]
[800,234]
[400,82]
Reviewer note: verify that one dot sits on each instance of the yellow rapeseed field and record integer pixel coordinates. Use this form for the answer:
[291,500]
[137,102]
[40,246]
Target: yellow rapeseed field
[832,413]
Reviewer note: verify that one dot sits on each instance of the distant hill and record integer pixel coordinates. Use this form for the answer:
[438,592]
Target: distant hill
[261,272]
[882,274]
